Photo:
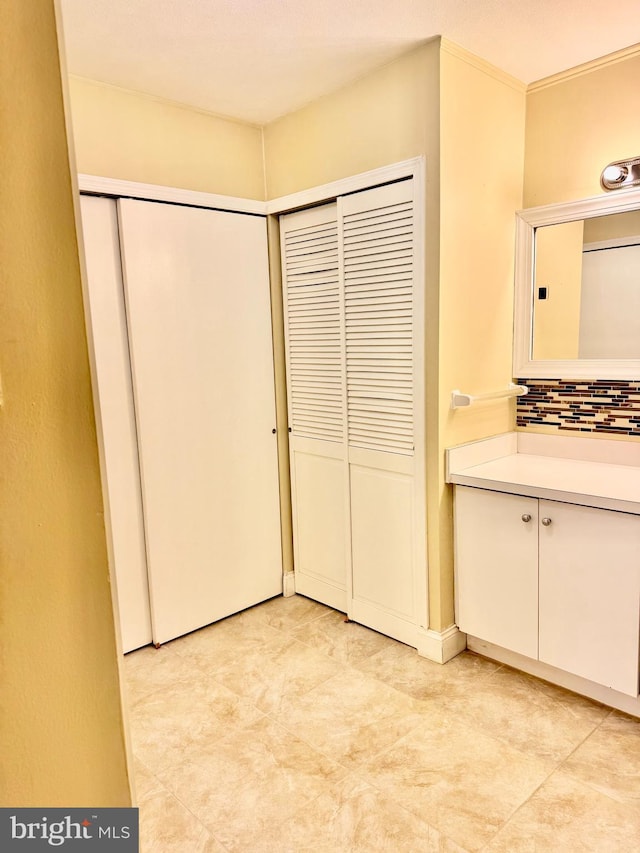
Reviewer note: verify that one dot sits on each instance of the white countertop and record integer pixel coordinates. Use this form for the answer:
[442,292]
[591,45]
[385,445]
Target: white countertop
[581,481]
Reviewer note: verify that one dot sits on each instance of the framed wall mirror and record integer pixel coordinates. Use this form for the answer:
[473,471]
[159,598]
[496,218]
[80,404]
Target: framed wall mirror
[577,289]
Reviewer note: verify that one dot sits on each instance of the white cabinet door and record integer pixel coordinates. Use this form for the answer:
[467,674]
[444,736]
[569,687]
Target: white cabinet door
[198,312]
[590,593]
[116,419]
[497,568]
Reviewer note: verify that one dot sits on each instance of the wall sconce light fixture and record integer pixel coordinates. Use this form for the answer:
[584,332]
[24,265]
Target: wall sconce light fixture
[621,174]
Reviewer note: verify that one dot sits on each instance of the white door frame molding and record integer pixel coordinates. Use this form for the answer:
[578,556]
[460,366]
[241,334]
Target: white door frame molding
[154,192]
[414,168]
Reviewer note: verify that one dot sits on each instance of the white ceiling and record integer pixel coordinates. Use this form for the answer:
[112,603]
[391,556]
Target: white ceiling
[255,60]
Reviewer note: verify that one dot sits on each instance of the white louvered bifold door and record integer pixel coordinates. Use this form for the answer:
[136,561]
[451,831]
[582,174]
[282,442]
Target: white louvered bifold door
[315,381]
[355,383]
[383,328]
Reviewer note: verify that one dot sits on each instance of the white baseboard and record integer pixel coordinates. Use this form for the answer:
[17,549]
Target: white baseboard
[289,584]
[441,646]
[321,590]
[376,617]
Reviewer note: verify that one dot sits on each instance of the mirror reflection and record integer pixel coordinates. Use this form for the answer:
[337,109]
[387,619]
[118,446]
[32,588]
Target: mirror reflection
[586,297]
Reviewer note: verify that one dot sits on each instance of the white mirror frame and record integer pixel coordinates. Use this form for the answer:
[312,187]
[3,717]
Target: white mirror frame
[524,366]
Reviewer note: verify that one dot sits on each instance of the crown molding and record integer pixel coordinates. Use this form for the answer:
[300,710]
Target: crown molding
[482,65]
[585,68]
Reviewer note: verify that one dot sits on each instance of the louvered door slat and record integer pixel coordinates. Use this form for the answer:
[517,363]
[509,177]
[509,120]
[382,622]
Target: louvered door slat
[376,240]
[309,279]
[321,288]
[364,271]
[365,288]
[383,225]
[311,236]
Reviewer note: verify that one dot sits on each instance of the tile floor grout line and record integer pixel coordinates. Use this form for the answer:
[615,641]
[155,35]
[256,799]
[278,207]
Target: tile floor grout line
[586,738]
[434,699]
[556,769]
[331,658]
[288,630]
[348,768]
[151,773]
[203,825]
[465,723]
[249,773]
[517,809]
[168,792]
[469,725]
[300,737]
[587,782]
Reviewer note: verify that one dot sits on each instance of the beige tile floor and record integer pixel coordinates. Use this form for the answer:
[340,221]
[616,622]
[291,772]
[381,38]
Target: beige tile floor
[287,729]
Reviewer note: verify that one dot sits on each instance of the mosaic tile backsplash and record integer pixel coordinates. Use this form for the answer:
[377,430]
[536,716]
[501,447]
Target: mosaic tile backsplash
[596,406]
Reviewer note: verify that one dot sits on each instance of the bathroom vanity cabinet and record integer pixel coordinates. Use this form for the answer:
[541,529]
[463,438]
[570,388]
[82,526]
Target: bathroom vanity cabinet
[547,555]
[553,581]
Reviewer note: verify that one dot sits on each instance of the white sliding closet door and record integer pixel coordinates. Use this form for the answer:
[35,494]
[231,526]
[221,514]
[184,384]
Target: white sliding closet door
[116,419]
[198,312]
[356,406]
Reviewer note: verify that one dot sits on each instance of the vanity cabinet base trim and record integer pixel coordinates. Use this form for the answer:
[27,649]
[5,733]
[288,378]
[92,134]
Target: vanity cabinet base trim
[597,692]
[441,646]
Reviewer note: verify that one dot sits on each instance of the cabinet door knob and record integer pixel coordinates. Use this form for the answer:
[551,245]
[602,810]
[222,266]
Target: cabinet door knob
[546,521]
[526,518]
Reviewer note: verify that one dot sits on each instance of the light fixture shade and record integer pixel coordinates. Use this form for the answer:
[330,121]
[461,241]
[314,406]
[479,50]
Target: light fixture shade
[621,174]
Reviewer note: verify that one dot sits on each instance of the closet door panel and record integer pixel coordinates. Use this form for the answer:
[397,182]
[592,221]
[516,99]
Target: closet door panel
[382,551]
[197,294]
[383,328]
[317,480]
[315,386]
[116,418]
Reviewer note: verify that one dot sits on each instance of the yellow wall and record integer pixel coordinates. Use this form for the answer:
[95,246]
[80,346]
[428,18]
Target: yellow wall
[134,137]
[482,151]
[576,126]
[61,719]
[467,120]
[558,267]
[390,115]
